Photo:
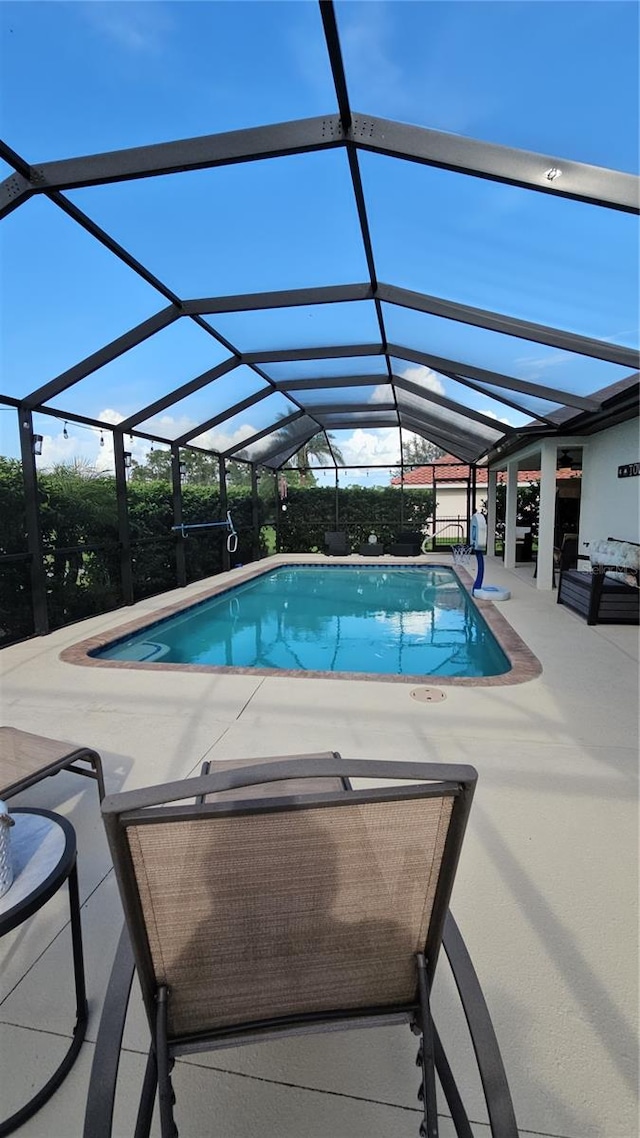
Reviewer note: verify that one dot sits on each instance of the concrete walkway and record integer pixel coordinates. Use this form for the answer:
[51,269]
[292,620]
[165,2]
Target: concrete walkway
[546,894]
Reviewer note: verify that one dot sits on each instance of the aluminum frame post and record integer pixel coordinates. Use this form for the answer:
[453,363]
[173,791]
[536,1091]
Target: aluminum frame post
[176,495]
[224,506]
[124,532]
[39,606]
[255,515]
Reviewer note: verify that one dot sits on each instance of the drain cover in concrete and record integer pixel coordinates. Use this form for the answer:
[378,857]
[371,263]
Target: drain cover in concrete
[428,695]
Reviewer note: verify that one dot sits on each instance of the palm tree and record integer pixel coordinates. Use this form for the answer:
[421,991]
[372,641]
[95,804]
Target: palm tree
[320,446]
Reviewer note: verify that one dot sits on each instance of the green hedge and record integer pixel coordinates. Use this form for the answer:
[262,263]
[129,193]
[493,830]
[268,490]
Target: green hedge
[76,510]
[381,510]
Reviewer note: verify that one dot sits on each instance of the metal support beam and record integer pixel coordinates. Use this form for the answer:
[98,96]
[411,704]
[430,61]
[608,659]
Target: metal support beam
[124,533]
[331,352]
[578,181]
[224,506]
[255,515]
[32,519]
[332,38]
[178,394]
[176,497]
[329,381]
[284,298]
[273,141]
[235,409]
[507,402]
[321,410]
[271,429]
[438,363]
[465,451]
[508,325]
[451,405]
[104,356]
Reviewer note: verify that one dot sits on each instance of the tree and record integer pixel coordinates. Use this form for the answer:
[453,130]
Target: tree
[200,469]
[417,451]
[320,446]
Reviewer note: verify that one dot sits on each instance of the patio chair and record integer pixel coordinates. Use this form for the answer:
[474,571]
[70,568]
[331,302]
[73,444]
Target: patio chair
[257,909]
[407,544]
[336,544]
[27,758]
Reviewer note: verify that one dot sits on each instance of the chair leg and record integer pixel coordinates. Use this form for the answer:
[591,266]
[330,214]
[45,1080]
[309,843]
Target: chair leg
[147,1098]
[168,1128]
[427,1092]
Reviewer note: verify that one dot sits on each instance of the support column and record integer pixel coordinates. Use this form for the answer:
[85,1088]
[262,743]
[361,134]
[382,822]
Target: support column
[176,487]
[32,518]
[337,521]
[492,483]
[547,514]
[255,514]
[124,534]
[226,556]
[511,513]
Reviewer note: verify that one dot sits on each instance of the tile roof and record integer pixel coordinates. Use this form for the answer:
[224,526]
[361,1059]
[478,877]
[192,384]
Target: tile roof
[455,471]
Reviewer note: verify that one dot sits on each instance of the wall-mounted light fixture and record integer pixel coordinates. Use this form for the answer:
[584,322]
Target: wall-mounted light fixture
[127,459]
[183,469]
[65,433]
[36,444]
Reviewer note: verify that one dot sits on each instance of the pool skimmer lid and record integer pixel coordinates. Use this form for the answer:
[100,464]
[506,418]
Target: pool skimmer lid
[428,695]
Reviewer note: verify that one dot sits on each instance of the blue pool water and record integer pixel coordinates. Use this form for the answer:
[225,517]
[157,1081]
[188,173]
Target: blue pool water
[410,621]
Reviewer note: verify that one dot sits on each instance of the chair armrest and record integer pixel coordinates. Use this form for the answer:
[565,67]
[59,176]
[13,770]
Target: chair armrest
[106,1059]
[502,1119]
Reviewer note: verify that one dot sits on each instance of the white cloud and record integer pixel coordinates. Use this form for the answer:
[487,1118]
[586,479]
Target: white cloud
[381,394]
[218,441]
[379,447]
[498,418]
[424,377]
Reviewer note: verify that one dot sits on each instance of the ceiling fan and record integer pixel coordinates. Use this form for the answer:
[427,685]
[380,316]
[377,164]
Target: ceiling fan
[569,459]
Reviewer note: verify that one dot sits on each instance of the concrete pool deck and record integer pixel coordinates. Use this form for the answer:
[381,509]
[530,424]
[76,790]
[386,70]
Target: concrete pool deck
[546,893]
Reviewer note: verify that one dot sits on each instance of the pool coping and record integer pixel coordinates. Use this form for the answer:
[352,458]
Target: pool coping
[524,665]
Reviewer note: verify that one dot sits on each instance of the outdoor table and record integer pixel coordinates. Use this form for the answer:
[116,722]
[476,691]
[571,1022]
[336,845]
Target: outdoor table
[43,847]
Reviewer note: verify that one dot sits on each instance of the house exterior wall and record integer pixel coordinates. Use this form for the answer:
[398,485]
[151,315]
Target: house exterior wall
[610,505]
[451,501]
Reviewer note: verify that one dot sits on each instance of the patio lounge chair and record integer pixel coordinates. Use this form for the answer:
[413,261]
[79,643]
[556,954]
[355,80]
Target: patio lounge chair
[336,544]
[27,758]
[251,917]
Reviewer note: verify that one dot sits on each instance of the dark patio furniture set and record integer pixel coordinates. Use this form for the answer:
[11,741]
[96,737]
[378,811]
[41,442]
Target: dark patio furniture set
[407,544]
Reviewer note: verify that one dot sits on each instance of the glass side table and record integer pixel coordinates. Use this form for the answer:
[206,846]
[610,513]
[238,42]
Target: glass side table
[43,847]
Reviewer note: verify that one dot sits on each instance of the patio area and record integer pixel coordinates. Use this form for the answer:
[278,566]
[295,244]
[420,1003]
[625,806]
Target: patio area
[546,893]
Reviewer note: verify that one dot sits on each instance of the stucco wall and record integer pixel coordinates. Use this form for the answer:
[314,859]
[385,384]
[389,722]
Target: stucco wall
[610,505]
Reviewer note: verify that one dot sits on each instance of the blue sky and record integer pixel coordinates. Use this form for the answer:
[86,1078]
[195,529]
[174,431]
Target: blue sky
[560,78]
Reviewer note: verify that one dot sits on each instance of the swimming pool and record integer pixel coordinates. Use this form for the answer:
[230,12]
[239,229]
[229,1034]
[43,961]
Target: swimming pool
[393,621]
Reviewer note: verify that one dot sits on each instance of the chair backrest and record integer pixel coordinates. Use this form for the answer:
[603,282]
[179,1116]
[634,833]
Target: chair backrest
[335,538]
[260,910]
[409,537]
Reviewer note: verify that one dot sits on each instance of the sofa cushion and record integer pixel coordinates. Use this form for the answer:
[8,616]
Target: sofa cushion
[623,554]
